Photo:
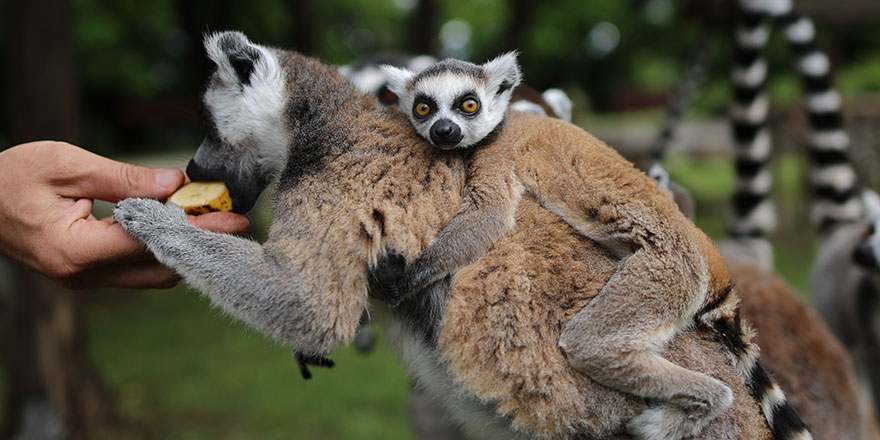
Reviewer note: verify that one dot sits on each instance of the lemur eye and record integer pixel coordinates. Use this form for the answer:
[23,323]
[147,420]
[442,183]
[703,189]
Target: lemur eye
[422,109]
[871,230]
[470,105]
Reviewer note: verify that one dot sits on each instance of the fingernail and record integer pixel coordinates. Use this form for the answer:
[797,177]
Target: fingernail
[167,178]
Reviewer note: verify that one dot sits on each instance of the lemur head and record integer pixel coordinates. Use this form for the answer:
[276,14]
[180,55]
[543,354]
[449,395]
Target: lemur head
[867,252]
[243,108]
[456,104]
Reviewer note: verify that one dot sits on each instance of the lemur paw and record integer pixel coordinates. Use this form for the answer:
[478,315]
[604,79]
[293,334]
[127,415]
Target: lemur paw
[303,361]
[387,281]
[146,219]
[681,417]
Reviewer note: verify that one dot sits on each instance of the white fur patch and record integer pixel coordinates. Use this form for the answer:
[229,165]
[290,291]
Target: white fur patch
[871,202]
[814,64]
[753,38]
[559,101]
[800,31]
[528,107]
[829,140]
[849,211]
[827,101]
[760,184]
[367,80]
[840,177]
[754,113]
[248,115]
[759,149]
[762,218]
[778,8]
[773,397]
[751,76]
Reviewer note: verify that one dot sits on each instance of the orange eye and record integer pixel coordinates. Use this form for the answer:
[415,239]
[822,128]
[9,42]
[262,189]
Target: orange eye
[470,105]
[422,109]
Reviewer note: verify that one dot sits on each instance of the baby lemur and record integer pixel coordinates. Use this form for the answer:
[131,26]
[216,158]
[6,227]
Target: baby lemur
[670,277]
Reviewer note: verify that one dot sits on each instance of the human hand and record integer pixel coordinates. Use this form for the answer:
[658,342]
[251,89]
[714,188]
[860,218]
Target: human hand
[46,220]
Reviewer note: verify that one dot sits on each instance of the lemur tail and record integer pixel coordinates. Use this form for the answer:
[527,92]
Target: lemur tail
[832,178]
[754,215]
[723,317]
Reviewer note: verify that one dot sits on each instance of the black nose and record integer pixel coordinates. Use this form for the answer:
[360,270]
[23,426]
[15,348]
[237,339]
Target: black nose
[864,256]
[196,173]
[445,134]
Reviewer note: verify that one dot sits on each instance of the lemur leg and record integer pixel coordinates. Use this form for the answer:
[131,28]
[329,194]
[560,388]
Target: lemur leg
[237,275]
[486,214]
[616,338]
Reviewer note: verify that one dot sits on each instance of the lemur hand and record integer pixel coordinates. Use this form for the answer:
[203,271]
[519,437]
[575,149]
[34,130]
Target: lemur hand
[388,280]
[304,361]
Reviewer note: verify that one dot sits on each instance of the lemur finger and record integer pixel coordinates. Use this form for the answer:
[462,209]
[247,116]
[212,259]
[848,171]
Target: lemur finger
[303,361]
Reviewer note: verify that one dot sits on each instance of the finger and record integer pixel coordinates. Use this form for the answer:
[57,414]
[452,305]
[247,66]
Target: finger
[226,222]
[147,275]
[93,243]
[87,175]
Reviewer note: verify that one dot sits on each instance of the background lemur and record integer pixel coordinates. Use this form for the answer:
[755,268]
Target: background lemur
[355,181]
[456,104]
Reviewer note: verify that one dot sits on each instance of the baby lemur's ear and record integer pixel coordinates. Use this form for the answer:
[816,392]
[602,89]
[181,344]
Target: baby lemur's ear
[398,78]
[238,60]
[504,73]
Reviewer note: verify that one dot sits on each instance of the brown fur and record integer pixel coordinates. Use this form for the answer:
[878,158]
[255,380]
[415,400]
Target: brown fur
[670,270]
[510,303]
[802,354]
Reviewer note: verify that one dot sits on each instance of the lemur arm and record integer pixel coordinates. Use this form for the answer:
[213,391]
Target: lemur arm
[241,278]
[485,215]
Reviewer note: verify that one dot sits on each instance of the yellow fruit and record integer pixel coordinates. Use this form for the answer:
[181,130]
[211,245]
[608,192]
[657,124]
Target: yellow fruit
[202,197]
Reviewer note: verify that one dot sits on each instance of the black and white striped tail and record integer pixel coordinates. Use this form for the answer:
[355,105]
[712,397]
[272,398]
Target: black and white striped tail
[754,215]
[832,178]
[723,318]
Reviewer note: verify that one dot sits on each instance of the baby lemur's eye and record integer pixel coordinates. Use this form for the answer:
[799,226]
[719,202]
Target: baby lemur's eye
[469,105]
[422,109]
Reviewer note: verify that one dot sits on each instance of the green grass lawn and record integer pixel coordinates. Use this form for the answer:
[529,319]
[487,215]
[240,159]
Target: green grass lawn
[186,371]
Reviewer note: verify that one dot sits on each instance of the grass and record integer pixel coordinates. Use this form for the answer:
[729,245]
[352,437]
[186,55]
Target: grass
[184,371]
[181,368]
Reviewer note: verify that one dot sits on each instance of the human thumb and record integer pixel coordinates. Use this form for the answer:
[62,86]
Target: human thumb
[100,178]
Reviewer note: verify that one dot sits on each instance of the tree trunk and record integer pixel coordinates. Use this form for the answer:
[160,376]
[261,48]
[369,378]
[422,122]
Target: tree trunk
[423,27]
[54,392]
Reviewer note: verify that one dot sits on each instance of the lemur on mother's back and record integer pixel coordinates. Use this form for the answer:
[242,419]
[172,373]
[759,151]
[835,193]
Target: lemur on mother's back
[670,276]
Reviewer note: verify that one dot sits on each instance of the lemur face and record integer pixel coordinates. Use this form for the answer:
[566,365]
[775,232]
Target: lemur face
[867,252]
[242,110]
[456,104]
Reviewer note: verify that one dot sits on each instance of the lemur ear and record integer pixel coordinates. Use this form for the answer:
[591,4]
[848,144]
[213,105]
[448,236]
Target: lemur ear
[504,73]
[398,79]
[871,202]
[238,60]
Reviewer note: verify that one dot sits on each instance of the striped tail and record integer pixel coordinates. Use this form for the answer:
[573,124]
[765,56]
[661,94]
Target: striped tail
[723,318]
[754,215]
[832,178]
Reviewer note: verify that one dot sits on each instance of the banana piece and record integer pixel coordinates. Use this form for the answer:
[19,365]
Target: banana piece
[202,197]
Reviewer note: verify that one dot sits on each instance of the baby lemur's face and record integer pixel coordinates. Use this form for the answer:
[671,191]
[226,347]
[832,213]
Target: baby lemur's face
[456,104]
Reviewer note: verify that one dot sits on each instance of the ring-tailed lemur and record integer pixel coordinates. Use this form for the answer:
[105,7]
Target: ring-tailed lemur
[459,105]
[354,181]
[844,288]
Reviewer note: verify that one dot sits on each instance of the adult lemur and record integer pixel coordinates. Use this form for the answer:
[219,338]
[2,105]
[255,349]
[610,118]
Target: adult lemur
[355,182]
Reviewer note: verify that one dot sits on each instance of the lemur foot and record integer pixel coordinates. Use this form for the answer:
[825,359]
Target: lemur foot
[681,417]
[147,219]
[305,360]
[387,281]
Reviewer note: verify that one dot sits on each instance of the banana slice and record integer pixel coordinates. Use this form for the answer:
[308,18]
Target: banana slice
[202,197]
